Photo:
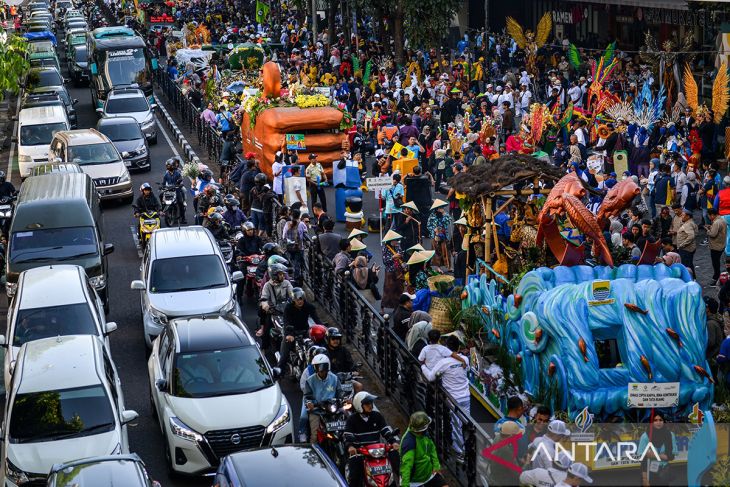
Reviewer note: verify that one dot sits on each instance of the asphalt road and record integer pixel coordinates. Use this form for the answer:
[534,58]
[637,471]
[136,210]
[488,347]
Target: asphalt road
[127,343]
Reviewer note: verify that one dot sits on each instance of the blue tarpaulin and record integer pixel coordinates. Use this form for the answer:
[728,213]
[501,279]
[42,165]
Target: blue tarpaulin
[39,36]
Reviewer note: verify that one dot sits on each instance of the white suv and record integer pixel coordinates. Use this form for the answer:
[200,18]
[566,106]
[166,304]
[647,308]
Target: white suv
[183,274]
[65,402]
[214,393]
[53,301]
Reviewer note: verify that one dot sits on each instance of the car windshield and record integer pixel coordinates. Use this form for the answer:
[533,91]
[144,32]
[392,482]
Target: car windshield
[80,55]
[40,134]
[60,414]
[52,244]
[221,372]
[189,273]
[126,66]
[86,155]
[60,91]
[46,77]
[127,105]
[118,132]
[38,323]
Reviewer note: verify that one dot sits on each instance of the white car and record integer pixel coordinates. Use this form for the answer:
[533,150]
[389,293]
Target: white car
[183,274]
[65,402]
[214,393]
[131,102]
[52,301]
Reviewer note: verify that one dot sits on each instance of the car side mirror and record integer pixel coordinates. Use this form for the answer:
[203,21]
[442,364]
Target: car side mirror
[153,106]
[110,326]
[161,385]
[99,110]
[137,285]
[129,415]
[276,373]
[3,343]
[108,248]
[75,101]
[237,276]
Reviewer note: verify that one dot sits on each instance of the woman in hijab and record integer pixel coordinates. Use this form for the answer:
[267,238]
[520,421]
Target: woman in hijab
[417,336]
[394,270]
[366,278]
[653,471]
[671,258]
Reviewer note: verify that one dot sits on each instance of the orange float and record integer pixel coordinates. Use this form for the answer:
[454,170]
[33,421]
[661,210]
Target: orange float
[320,126]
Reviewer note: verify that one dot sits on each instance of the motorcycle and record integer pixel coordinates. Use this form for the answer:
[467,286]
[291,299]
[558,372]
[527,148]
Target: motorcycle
[248,264]
[149,221]
[6,212]
[227,251]
[297,356]
[333,415]
[378,472]
[347,383]
[168,198]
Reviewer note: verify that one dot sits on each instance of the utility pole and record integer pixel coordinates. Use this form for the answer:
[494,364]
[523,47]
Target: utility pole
[314,21]
[486,15]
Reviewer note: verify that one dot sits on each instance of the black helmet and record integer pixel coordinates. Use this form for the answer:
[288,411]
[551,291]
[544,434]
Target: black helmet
[271,248]
[206,175]
[172,162]
[260,179]
[333,332]
[216,218]
[2,176]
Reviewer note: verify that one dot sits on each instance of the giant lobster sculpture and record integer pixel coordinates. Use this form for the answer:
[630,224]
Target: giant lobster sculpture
[566,200]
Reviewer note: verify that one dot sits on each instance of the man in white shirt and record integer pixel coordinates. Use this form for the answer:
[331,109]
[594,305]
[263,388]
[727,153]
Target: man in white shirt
[525,99]
[574,92]
[542,448]
[577,475]
[276,171]
[454,379]
[506,95]
[432,353]
[491,94]
[547,477]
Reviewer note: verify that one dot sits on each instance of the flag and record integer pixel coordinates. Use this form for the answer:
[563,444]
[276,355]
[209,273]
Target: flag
[262,12]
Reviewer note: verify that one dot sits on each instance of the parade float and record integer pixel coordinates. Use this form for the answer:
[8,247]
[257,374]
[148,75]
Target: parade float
[271,114]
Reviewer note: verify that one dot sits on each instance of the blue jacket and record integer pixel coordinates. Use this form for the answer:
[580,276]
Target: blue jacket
[662,184]
[234,217]
[317,390]
[724,357]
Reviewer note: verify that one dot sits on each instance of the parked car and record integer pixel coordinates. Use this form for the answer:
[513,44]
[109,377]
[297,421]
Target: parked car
[276,467]
[52,301]
[126,470]
[201,369]
[201,283]
[74,377]
[127,137]
[131,102]
[40,77]
[98,157]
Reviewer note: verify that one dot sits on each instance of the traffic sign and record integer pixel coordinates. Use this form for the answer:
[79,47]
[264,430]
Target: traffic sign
[653,394]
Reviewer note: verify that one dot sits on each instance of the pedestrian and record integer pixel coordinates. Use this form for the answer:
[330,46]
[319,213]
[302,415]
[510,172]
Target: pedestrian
[342,259]
[418,269]
[686,243]
[542,449]
[715,334]
[402,315]
[410,226]
[394,270]
[438,227]
[365,278]
[653,471]
[662,223]
[547,477]
[329,241]
[419,460]
[676,222]
[277,171]
[717,236]
[503,472]
[316,181]
[393,200]
[577,474]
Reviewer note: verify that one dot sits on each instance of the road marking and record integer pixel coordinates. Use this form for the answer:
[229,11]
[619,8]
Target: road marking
[9,172]
[135,239]
[167,138]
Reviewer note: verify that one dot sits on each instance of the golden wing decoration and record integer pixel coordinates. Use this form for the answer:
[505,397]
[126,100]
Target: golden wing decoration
[690,88]
[515,31]
[720,94]
[543,29]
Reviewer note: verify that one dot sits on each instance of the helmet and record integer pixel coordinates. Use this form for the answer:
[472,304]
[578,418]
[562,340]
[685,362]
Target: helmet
[211,211]
[297,293]
[206,175]
[321,362]
[277,259]
[314,351]
[333,332]
[270,248]
[317,333]
[144,186]
[276,269]
[419,422]
[2,176]
[260,179]
[248,226]
[228,198]
[233,202]
[216,218]
[361,398]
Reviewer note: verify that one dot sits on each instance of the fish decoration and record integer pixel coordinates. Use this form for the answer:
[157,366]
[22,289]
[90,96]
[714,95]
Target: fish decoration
[495,332]
[647,367]
[518,357]
[583,348]
[464,295]
[518,300]
[538,335]
[703,373]
[675,336]
[551,369]
[635,309]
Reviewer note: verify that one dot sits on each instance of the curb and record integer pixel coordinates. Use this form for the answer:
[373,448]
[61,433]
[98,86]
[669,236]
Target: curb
[187,149]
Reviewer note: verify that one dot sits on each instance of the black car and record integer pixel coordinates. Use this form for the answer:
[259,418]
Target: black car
[127,470]
[127,137]
[62,93]
[279,466]
[78,64]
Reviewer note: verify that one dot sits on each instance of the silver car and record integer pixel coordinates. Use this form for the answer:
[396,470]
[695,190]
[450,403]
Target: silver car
[131,102]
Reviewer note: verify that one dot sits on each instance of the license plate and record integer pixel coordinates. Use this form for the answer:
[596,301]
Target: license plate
[380,470]
[251,270]
[335,426]
[128,163]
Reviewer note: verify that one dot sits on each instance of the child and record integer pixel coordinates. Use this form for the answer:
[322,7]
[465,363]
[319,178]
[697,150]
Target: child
[434,351]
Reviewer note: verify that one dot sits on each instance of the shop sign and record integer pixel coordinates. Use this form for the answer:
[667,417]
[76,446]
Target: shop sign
[673,17]
[562,17]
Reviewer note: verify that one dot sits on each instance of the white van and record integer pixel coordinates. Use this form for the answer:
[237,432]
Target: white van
[36,128]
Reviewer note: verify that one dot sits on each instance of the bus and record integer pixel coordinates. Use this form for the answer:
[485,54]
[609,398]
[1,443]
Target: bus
[118,57]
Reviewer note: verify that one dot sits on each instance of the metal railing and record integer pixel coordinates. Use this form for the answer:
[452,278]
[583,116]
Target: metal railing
[366,330]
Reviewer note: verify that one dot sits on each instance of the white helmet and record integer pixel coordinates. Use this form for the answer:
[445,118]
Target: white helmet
[360,398]
[320,362]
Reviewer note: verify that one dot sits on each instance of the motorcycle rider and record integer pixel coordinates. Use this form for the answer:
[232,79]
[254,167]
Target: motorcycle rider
[6,187]
[366,427]
[218,227]
[203,180]
[296,323]
[233,214]
[146,201]
[340,358]
[250,243]
[274,295]
[318,388]
[208,199]
[269,250]
[257,211]
[318,335]
[308,371]
[173,177]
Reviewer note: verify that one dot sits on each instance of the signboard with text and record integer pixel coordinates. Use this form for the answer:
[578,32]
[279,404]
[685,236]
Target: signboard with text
[379,184]
[653,394]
